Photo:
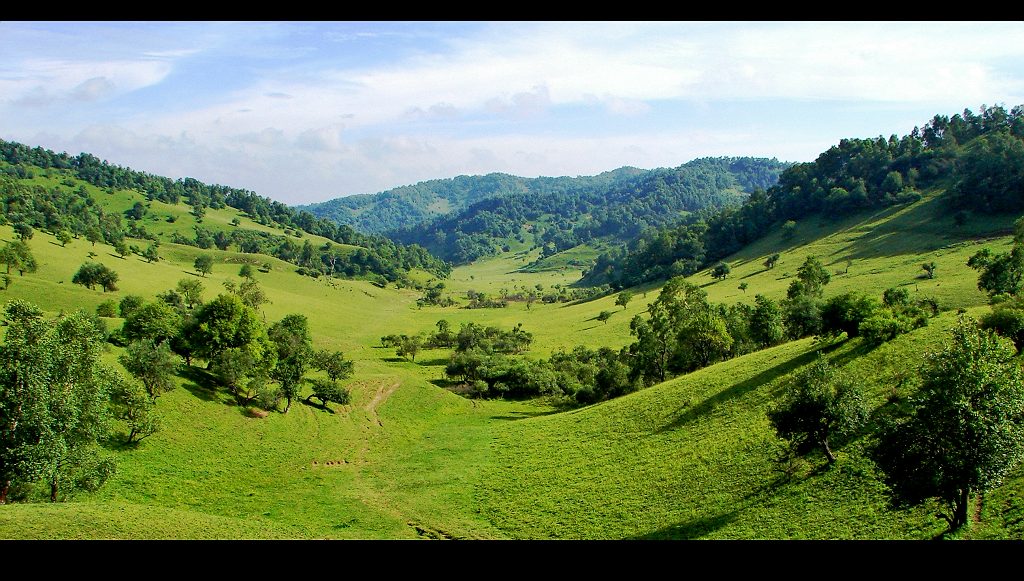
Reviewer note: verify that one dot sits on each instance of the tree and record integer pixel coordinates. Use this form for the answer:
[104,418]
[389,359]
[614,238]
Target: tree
[246,271]
[328,391]
[94,235]
[152,364]
[91,274]
[23,231]
[155,321]
[63,236]
[743,287]
[204,264]
[766,322]
[333,363]
[720,271]
[771,261]
[191,291]
[53,401]
[929,269]
[294,354]
[121,247]
[1000,273]
[623,299]
[151,254]
[128,305]
[409,347]
[966,428]
[135,407]
[820,404]
[788,230]
[603,316]
[17,255]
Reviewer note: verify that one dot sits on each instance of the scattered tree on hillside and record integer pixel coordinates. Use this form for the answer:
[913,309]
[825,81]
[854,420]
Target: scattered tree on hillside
[771,261]
[63,236]
[294,354]
[966,430]
[246,271]
[204,264]
[720,271]
[154,321]
[743,287]
[151,254]
[191,291]
[23,231]
[122,249]
[131,404]
[91,274]
[819,405]
[929,269]
[623,299]
[152,364]
[788,230]
[17,255]
[603,316]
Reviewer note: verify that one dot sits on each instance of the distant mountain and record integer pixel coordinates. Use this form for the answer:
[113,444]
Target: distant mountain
[463,218]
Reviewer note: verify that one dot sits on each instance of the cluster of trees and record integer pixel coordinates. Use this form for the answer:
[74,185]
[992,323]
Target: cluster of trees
[979,157]
[571,211]
[683,331]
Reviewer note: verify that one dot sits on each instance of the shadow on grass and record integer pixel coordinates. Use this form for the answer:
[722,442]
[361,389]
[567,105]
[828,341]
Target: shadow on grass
[434,362]
[522,415]
[740,389]
[693,529]
[444,383]
[203,385]
[319,406]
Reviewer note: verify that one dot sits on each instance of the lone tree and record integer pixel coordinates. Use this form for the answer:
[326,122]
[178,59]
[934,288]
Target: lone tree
[204,264]
[91,274]
[929,269]
[819,405]
[720,271]
[770,262]
[623,299]
[966,428]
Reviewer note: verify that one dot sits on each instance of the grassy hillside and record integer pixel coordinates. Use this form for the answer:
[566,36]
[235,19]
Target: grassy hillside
[691,458]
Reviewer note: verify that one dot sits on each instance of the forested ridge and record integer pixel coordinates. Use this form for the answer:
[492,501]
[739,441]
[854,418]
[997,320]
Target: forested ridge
[70,207]
[485,212]
[977,158]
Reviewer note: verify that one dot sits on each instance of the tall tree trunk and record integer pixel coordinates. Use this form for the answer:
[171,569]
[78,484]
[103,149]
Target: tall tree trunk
[828,452]
[53,489]
[961,506]
[3,492]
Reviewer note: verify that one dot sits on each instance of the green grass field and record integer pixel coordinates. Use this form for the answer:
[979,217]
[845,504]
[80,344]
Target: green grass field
[691,458]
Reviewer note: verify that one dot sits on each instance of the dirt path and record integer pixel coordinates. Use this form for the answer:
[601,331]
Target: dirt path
[382,395]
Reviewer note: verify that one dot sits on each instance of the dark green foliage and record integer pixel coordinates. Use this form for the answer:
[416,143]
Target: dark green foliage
[720,271]
[1007,319]
[965,431]
[91,274]
[17,255]
[929,269]
[106,309]
[820,405]
[128,305]
[991,174]
[131,404]
[152,364]
[151,254]
[623,299]
[766,322]
[603,316]
[154,321]
[1000,273]
[771,261]
[844,313]
[294,354]
[191,291]
[328,391]
[204,264]
[246,271]
[53,401]
[63,236]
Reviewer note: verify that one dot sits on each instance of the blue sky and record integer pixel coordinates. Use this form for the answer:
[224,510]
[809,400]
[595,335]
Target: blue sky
[305,112]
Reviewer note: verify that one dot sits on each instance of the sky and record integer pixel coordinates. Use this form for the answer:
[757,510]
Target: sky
[304,112]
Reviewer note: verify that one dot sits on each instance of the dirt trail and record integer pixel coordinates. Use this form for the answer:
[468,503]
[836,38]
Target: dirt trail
[381,396]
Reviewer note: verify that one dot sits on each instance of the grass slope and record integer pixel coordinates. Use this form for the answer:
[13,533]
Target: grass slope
[405,459]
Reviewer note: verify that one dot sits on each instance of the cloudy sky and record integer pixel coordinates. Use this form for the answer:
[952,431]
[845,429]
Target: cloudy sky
[305,112]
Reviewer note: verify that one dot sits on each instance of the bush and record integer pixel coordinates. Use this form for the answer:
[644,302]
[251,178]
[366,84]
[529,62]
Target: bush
[107,309]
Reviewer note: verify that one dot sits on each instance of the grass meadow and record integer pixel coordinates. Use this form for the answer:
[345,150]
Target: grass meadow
[406,459]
